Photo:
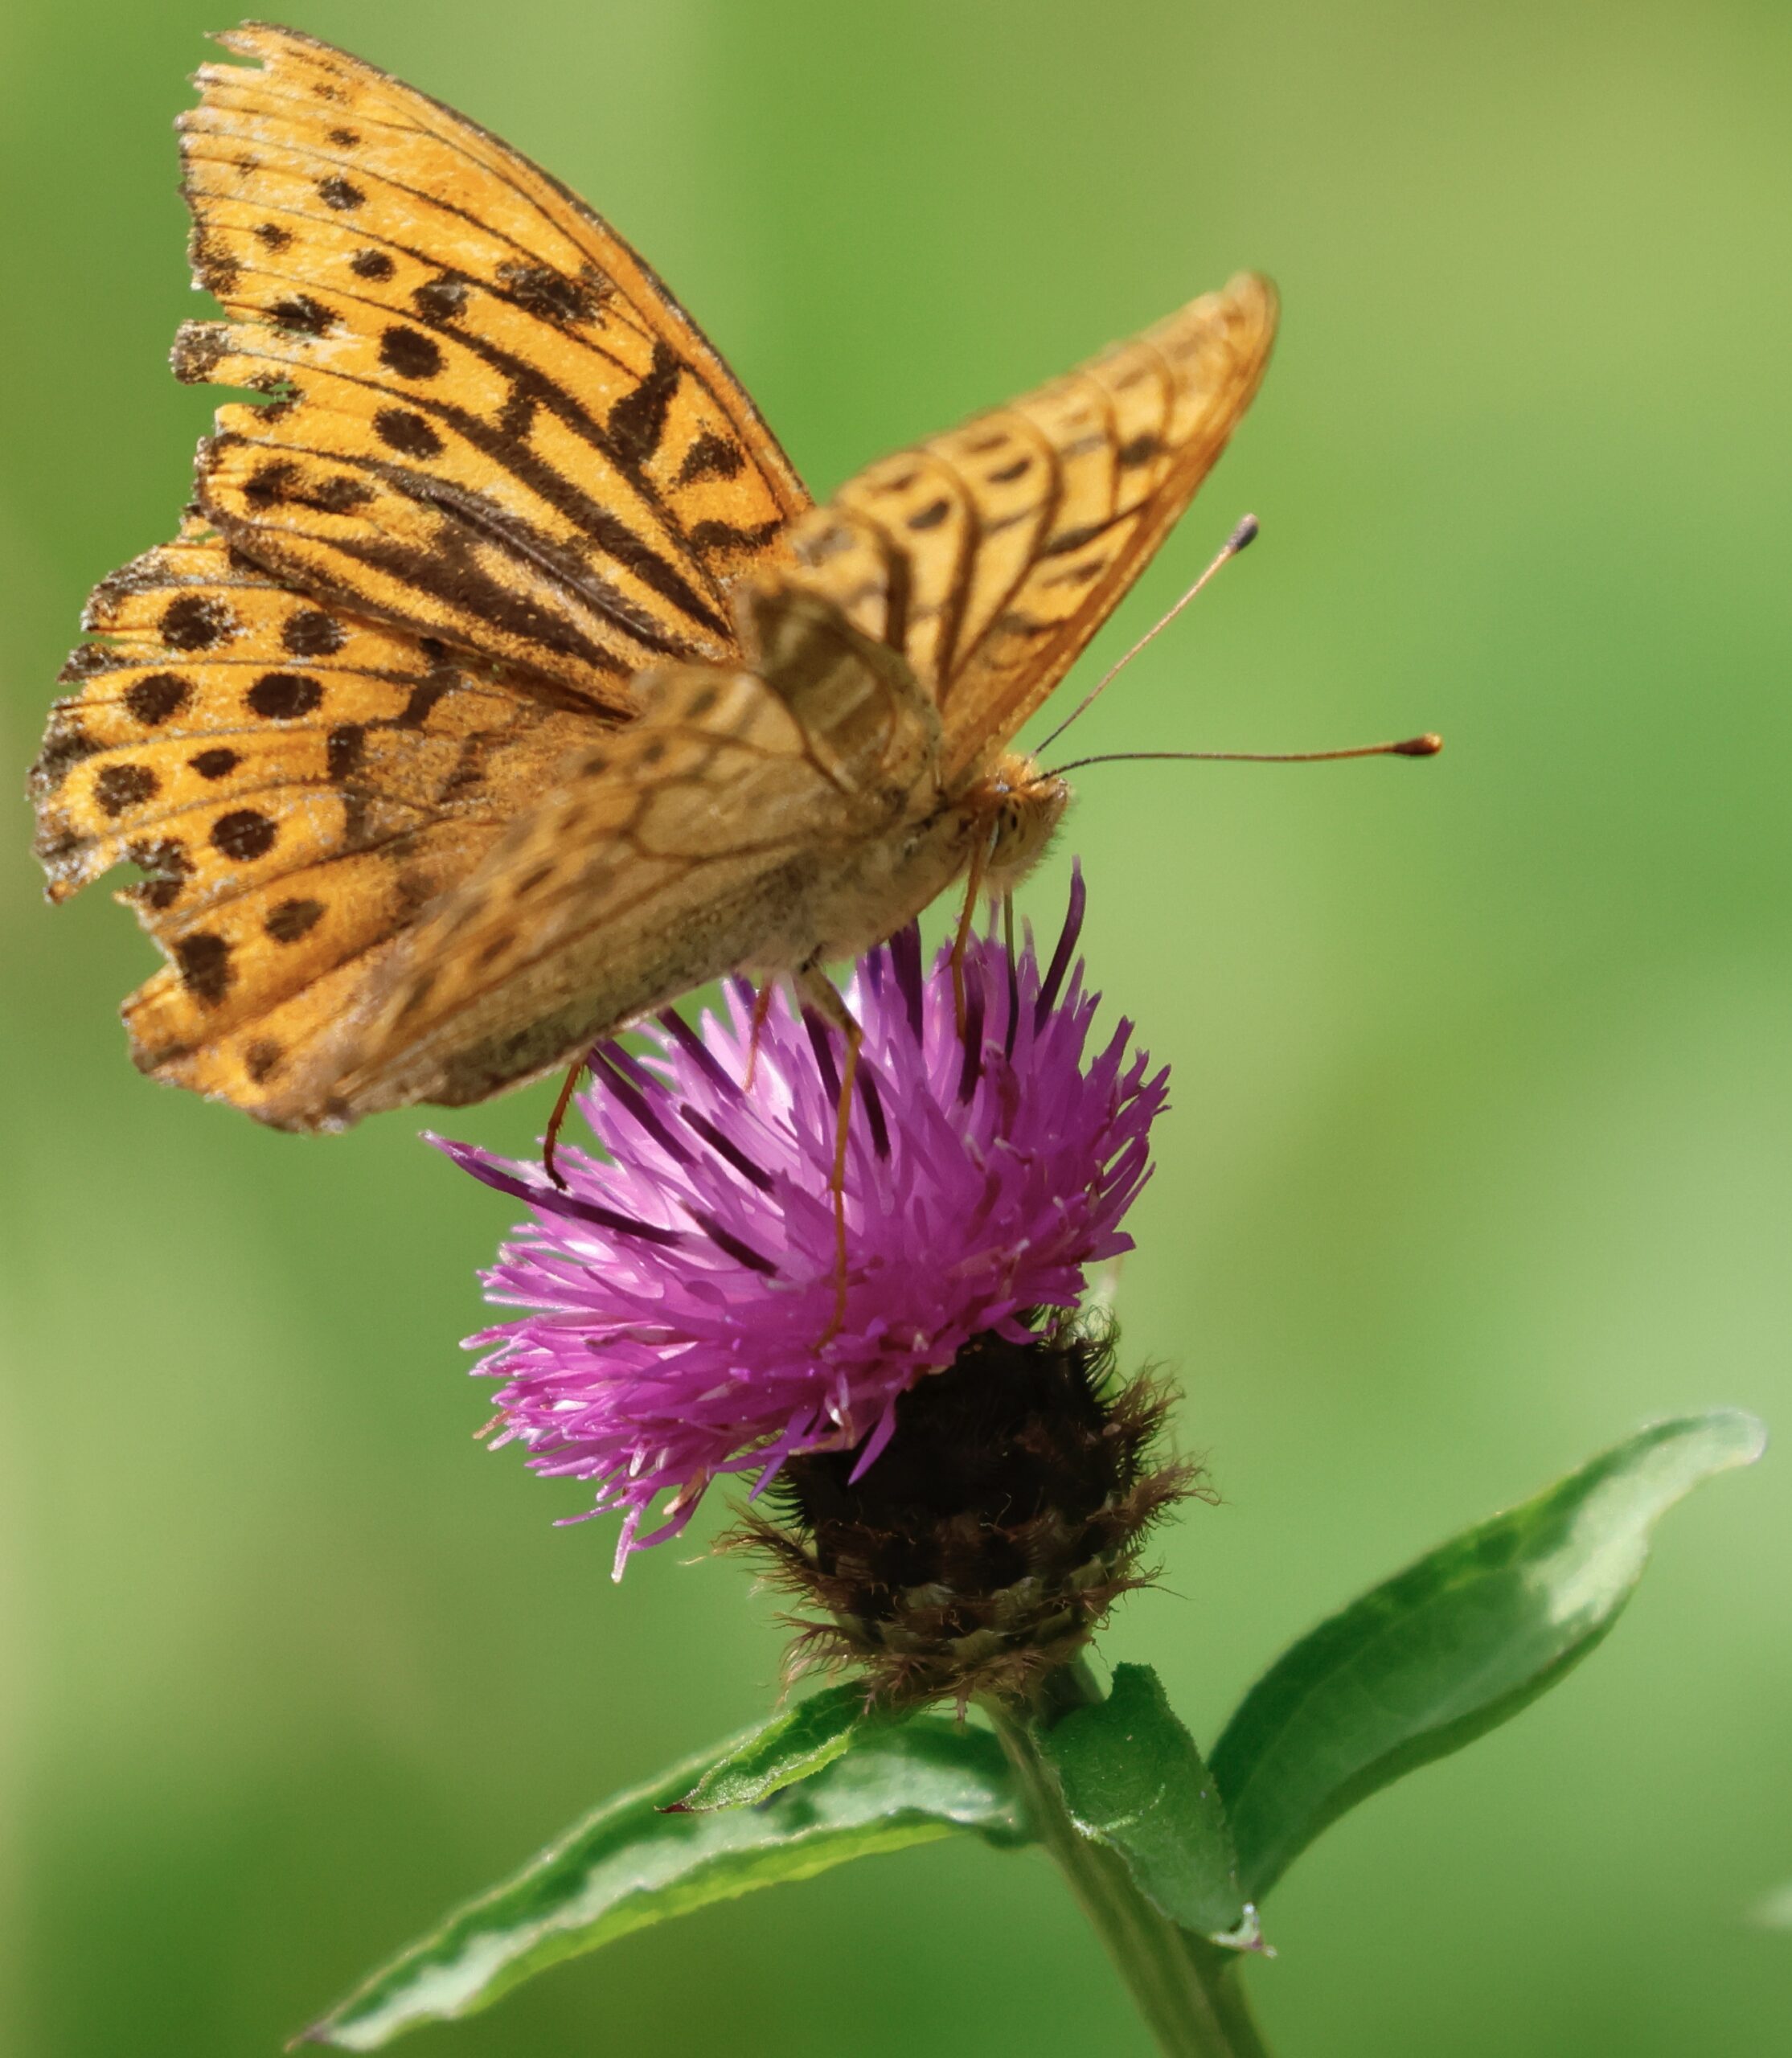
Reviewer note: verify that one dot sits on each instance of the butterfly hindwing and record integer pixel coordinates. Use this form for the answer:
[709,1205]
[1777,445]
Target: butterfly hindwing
[296,784]
[486,419]
[991,554]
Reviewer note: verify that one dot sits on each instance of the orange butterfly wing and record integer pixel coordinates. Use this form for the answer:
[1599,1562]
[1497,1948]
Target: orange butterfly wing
[489,421]
[498,469]
[297,785]
[991,554]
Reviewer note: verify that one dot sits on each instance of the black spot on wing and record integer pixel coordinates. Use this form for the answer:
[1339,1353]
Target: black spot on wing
[261,1059]
[406,432]
[556,296]
[440,300]
[710,457]
[203,960]
[194,623]
[121,786]
[410,353]
[312,633]
[300,311]
[284,696]
[215,268]
[290,920]
[243,834]
[152,698]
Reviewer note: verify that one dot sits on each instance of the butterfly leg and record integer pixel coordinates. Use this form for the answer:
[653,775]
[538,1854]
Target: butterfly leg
[974,881]
[761,1007]
[555,1121]
[815,989]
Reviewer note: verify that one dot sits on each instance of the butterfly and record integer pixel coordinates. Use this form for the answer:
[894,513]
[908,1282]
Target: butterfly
[504,683]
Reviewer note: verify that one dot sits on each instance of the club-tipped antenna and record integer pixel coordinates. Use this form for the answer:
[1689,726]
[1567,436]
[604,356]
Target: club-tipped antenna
[1425,746]
[1240,538]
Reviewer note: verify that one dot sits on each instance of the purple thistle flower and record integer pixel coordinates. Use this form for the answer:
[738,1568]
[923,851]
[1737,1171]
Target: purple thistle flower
[678,1296]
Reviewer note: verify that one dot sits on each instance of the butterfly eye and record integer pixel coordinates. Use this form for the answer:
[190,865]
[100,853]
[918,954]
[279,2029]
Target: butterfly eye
[1025,823]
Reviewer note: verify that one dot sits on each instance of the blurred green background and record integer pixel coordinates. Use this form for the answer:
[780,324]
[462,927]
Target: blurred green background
[1482,1146]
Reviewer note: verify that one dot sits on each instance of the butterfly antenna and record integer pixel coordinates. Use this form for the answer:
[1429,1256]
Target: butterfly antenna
[1425,746]
[1240,538]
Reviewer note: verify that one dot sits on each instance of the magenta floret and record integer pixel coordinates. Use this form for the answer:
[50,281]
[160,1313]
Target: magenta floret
[678,1295]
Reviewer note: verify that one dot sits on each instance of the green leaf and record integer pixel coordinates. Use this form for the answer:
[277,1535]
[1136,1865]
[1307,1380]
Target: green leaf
[1456,1643]
[630,1864]
[1132,1779]
[813,1734]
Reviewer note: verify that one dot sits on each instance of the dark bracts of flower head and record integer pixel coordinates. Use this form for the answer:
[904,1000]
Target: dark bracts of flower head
[679,1302]
[1004,1517]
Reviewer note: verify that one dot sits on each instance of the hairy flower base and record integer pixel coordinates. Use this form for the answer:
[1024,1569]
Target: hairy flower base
[681,1306]
[1003,1519]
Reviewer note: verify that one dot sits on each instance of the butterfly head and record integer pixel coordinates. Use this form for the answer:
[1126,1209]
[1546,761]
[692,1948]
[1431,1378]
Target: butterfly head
[1024,807]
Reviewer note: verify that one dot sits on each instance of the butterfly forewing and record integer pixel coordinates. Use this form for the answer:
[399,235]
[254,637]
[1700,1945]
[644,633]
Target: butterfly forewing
[487,420]
[990,555]
[496,470]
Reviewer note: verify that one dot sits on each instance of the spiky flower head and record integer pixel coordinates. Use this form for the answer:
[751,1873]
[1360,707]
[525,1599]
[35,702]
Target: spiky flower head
[682,1306]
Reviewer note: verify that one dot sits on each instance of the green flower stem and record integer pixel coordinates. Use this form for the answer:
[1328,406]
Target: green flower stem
[1186,1989]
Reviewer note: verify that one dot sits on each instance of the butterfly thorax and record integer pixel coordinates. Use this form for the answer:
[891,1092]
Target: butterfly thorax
[1000,829]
